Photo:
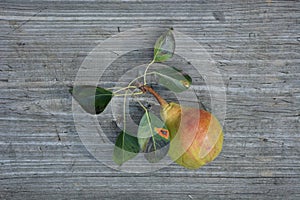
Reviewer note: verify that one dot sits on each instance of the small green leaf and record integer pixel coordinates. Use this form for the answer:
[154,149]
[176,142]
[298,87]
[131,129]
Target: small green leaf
[153,144]
[173,79]
[92,99]
[164,46]
[126,148]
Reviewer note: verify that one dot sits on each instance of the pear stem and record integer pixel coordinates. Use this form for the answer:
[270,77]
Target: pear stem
[161,101]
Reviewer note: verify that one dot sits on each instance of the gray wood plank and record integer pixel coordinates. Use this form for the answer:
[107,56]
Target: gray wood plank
[255,45]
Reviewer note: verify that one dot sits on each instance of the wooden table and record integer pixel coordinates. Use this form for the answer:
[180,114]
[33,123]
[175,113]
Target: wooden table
[255,46]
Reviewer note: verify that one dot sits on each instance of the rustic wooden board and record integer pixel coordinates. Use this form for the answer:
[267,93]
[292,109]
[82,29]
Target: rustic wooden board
[256,48]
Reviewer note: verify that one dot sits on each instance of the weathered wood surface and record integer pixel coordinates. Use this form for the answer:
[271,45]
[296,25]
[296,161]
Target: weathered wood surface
[255,45]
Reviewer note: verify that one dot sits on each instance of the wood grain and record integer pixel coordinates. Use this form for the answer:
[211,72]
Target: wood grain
[255,45]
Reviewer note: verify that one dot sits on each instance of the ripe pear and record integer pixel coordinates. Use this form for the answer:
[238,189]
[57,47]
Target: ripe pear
[196,135]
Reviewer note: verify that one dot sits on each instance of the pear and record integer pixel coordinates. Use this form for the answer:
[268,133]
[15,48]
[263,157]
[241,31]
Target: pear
[196,135]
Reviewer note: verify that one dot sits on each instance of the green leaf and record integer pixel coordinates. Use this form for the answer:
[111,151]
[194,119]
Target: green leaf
[154,153]
[126,148]
[153,144]
[173,79]
[146,128]
[164,46]
[92,99]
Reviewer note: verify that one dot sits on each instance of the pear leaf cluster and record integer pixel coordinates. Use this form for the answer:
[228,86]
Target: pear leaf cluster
[152,137]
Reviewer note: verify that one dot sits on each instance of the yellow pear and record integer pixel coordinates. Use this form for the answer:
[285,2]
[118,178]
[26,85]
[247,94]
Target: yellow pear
[196,135]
